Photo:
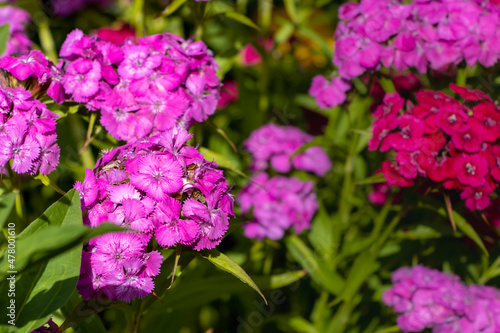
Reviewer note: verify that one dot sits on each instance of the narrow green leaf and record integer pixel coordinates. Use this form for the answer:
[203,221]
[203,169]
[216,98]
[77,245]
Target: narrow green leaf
[466,228]
[373,179]
[320,140]
[325,48]
[66,211]
[301,325]
[171,8]
[6,204]
[222,161]
[284,33]
[189,293]
[236,16]
[322,235]
[364,265]
[8,329]
[225,263]
[291,10]
[316,268]
[45,286]
[4,37]
[216,8]
[387,84]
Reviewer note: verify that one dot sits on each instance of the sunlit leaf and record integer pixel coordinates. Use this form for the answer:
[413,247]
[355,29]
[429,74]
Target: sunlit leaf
[225,263]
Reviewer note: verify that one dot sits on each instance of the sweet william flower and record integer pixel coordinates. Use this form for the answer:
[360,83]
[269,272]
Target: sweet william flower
[328,93]
[157,175]
[162,191]
[274,145]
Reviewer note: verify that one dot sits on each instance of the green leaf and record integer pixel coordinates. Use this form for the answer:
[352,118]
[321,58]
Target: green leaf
[189,293]
[325,48]
[48,255]
[364,265]
[387,84]
[45,286]
[4,37]
[284,33]
[373,179]
[6,204]
[65,211]
[225,263]
[291,10]
[233,15]
[301,325]
[466,228]
[322,235]
[8,329]
[222,161]
[171,8]
[316,268]
[216,8]
[320,140]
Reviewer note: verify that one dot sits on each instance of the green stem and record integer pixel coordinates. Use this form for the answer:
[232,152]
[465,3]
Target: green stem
[491,272]
[198,10]
[462,76]
[77,129]
[19,202]
[139,17]
[265,13]
[46,39]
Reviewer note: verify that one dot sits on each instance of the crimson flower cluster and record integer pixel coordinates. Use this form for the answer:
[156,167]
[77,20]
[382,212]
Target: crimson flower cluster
[141,88]
[158,187]
[450,142]
[427,298]
[419,34]
[17,18]
[274,144]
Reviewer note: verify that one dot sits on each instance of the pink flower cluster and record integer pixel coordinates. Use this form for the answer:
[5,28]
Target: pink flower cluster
[428,298]
[440,138]
[278,204]
[155,186]
[274,145]
[27,133]
[35,73]
[144,88]
[17,18]
[420,34]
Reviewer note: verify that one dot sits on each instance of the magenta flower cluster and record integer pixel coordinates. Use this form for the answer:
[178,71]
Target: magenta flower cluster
[280,203]
[427,298]
[36,73]
[157,187]
[27,133]
[17,18]
[420,34]
[274,145]
[141,88]
[450,142]
[277,204]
